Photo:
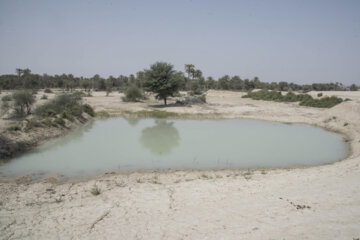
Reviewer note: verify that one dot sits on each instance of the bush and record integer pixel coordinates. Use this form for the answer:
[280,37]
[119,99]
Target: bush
[304,99]
[66,114]
[59,121]
[23,101]
[49,113]
[132,94]
[95,191]
[48,122]
[14,128]
[44,96]
[195,88]
[48,90]
[326,102]
[290,97]
[32,124]
[319,94]
[60,103]
[76,110]
[88,109]
[102,114]
[203,98]
[6,98]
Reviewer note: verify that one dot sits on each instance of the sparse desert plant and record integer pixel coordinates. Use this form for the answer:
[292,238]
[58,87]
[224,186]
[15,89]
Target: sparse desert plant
[95,191]
[66,114]
[59,121]
[203,98]
[319,94]
[120,184]
[345,124]
[32,124]
[44,96]
[88,109]
[14,128]
[49,113]
[47,90]
[102,114]
[6,98]
[132,94]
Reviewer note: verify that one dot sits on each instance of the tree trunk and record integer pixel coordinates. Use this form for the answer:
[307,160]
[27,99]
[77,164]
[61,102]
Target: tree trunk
[165,100]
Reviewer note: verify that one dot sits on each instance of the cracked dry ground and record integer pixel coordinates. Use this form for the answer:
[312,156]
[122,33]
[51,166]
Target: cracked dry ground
[186,205]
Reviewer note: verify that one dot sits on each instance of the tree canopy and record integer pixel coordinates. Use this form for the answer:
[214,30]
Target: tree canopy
[162,80]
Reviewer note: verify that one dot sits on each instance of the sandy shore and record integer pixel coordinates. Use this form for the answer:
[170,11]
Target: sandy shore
[320,202]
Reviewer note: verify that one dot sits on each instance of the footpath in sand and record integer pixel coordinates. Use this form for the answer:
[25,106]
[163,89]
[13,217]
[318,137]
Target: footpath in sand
[321,202]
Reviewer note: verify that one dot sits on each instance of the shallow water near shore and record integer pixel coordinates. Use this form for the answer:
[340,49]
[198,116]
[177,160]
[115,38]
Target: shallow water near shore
[119,144]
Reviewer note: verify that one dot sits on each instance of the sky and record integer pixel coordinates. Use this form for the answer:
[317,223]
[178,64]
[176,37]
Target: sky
[302,41]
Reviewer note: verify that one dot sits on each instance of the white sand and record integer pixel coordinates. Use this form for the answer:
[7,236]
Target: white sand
[229,204]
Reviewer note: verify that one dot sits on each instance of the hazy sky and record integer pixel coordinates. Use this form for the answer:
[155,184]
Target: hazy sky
[298,41]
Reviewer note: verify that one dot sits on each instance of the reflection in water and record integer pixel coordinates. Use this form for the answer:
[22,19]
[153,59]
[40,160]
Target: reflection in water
[132,121]
[160,139]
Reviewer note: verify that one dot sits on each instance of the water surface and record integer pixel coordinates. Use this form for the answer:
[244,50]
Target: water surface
[119,144]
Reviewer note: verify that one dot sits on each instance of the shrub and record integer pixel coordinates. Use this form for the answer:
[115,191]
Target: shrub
[290,97]
[304,99]
[60,103]
[6,98]
[49,113]
[326,102]
[32,124]
[47,121]
[59,121]
[76,110]
[66,114]
[319,94]
[23,101]
[88,109]
[203,98]
[48,90]
[195,88]
[44,96]
[132,94]
[5,106]
[95,191]
[102,114]
[14,128]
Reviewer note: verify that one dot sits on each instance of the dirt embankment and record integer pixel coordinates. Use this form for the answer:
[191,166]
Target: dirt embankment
[321,202]
[20,135]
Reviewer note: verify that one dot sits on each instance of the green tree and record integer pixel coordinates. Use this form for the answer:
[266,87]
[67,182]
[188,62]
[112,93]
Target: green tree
[162,80]
[353,87]
[189,69]
[210,83]
[224,82]
[23,101]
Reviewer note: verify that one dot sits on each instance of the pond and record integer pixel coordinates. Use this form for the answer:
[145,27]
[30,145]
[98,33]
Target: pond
[119,144]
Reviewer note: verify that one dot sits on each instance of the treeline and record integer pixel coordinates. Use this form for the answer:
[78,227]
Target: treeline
[190,80]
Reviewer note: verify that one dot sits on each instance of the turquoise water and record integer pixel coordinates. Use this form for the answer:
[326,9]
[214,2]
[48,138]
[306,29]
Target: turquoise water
[119,144]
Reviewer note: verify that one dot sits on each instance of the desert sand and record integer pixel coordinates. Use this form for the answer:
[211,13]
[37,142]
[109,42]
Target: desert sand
[321,202]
